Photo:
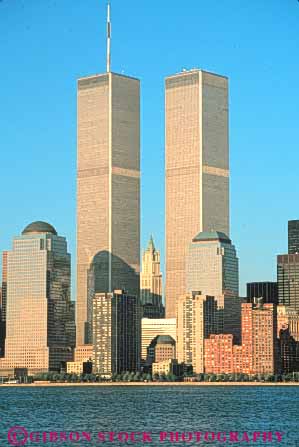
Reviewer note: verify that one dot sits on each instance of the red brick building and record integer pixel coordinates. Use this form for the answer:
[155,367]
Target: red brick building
[258,352]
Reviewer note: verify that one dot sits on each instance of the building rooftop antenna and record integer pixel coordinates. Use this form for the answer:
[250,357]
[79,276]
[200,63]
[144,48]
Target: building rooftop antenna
[108,37]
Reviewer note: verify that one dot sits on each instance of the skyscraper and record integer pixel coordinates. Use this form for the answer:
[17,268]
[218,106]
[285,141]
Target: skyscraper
[293,236]
[197,168]
[116,333]
[266,290]
[196,320]
[151,282]
[3,296]
[288,280]
[212,265]
[108,189]
[40,320]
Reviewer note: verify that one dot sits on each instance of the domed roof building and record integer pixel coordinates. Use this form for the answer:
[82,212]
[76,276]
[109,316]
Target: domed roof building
[39,227]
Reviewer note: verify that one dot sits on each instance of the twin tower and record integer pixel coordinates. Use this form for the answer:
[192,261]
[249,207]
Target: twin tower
[108,181]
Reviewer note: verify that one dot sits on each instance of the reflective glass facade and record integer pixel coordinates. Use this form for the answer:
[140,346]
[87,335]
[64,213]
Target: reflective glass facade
[40,316]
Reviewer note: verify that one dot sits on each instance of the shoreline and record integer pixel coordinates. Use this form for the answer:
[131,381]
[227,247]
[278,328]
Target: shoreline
[148,384]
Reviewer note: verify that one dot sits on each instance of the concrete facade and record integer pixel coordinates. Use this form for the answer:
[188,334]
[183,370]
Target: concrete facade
[152,327]
[196,320]
[197,168]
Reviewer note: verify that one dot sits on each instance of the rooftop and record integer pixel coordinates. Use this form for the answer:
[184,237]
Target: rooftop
[211,236]
[39,227]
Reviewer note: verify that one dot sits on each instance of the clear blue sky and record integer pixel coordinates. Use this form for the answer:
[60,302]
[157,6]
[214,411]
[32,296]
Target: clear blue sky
[46,45]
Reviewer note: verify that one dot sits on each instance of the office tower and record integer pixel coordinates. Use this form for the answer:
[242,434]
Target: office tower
[293,237]
[151,283]
[161,348]
[196,320]
[197,168]
[39,313]
[3,296]
[288,317]
[288,334]
[289,351]
[152,327]
[288,280]
[116,333]
[258,352]
[4,286]
[266,290]
[212,265]
[108,190]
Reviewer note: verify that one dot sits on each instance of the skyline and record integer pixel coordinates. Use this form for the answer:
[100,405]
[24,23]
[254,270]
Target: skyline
[258,253]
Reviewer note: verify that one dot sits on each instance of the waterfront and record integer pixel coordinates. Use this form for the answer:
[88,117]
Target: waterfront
[92,409]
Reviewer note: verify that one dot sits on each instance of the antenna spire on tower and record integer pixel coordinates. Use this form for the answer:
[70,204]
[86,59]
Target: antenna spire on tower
[108,38]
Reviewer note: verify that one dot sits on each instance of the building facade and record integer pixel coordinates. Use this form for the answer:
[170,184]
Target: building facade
[3,298]
[259,338]
[84,353]
[167,367]
[293,237]
[197,179]
[116,333]
[196,320]
[151,328]
[266,290]
[288,280]
[151,283]
[108,191]
[212,265]
[219,354]
[161,348]
[258,352]
[40,326]
[288,317]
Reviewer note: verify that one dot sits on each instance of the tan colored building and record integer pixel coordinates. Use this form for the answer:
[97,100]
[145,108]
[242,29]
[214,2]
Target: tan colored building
[161,348]
[84,353]
[151,328]
[39,313]
[197,168]
[108,191]
[165,348]
[196,320]
[74,368]
[165,367]
[151,282]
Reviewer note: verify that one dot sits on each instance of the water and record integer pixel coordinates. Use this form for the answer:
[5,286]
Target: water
[149,409]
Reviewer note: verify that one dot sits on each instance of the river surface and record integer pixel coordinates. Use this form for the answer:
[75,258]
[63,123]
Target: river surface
[168,416]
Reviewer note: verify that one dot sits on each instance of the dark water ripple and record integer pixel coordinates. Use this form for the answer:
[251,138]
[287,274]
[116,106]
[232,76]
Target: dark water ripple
[151,409]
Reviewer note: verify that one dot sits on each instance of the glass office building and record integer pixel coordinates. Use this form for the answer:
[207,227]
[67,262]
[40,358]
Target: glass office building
[40,320]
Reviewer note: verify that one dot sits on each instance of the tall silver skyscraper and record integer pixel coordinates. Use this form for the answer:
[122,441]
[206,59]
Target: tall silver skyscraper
[197,168]
[108,189]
